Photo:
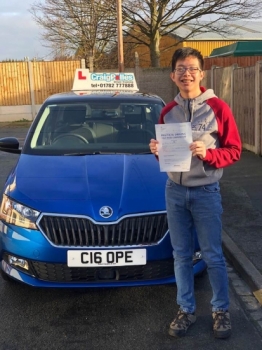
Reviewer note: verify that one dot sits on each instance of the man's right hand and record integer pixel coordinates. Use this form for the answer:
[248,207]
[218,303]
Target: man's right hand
[154,146]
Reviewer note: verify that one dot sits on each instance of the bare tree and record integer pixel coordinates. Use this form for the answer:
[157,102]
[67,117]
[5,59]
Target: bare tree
[85,28]
[147,21]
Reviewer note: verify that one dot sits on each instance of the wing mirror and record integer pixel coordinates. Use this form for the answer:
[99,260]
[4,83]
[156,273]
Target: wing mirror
[10,145]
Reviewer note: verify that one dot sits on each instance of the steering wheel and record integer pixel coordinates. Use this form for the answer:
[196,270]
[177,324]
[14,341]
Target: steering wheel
[79,137]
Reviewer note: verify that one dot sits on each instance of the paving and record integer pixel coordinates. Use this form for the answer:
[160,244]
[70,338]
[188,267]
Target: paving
[241,188]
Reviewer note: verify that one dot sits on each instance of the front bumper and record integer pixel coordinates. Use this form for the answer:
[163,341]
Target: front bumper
[48,263]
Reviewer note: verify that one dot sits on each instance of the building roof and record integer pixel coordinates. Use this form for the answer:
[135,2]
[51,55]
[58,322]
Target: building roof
[240,48]
[237,30]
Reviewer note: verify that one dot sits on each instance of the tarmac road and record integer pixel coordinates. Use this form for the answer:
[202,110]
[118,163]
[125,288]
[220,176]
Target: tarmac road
[119,319]
[112,319]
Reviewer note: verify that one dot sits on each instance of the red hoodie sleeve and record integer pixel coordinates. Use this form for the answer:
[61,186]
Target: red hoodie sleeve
[230,144]
[165,110]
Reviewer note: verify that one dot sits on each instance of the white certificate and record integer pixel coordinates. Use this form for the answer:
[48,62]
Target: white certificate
[173,148]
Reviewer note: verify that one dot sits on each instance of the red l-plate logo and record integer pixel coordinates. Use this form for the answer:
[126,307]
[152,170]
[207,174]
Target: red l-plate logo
[80,76]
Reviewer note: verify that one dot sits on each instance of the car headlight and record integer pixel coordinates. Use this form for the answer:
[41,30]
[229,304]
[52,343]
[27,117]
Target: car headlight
[18,214]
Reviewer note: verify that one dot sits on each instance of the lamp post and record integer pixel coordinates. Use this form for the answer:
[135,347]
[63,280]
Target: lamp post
[120,36]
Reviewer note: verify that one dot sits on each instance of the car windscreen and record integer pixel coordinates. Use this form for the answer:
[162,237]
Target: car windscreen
[94,127]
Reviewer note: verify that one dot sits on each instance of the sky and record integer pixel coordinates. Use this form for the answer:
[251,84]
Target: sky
[20,36]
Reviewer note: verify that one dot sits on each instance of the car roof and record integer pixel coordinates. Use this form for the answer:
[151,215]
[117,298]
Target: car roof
[99,96]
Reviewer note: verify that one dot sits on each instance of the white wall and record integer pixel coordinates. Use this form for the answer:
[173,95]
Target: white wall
[14,113]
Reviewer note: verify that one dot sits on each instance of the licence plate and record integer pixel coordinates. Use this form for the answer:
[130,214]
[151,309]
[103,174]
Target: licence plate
[92,258]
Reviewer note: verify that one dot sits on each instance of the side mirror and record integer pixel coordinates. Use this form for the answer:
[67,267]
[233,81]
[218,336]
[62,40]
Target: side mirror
[10,145]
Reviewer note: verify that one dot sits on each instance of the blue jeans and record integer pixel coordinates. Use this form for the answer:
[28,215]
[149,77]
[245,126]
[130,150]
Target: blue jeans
[197,208]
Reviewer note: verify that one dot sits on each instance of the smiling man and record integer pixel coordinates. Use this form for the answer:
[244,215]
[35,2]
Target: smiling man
[193,199]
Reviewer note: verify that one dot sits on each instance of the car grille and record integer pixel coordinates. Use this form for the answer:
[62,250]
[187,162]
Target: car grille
[75,231]
[63,273]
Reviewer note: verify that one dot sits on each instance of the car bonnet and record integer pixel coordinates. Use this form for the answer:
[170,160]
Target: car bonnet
[82,185]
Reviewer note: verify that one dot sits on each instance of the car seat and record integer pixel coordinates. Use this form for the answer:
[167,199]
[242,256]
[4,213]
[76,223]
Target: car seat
[135,131]
[74,118]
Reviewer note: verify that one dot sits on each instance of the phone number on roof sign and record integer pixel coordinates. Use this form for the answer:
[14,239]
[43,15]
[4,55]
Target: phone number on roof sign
[111,85]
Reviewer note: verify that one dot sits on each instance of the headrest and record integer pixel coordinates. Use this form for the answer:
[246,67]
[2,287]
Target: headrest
[135,118]
[74,114]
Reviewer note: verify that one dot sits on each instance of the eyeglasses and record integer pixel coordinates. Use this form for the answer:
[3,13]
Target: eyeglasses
[182,70]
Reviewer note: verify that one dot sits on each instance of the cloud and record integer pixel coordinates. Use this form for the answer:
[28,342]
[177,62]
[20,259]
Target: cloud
[21,7]
[9,14]
[20,36]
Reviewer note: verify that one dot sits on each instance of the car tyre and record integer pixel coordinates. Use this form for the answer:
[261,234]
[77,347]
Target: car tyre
[201,274]
[6,277]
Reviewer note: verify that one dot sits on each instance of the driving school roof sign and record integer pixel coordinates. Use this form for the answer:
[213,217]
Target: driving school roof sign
[86,81]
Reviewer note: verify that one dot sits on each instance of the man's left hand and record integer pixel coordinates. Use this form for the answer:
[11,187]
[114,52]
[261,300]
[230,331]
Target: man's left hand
[198,148]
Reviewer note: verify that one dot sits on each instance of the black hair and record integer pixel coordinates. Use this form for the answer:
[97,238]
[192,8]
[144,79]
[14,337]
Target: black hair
[185,52]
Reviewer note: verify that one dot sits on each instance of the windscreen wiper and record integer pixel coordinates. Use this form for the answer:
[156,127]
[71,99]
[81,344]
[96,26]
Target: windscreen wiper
[94,153]
[146,152]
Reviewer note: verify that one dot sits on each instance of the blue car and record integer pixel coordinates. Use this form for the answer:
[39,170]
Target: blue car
[84,206]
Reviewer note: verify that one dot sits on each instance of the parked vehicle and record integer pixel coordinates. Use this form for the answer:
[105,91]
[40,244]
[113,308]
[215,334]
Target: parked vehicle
[84,206]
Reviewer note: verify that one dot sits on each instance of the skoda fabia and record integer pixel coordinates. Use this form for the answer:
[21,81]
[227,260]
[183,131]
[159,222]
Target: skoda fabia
[84,206]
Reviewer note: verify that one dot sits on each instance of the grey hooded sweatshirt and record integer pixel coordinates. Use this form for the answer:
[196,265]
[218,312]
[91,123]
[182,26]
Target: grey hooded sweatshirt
[213,123]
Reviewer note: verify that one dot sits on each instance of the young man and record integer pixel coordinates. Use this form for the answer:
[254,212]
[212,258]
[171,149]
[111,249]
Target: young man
[193,198]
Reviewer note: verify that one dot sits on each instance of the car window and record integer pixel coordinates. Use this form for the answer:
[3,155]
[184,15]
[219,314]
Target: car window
[94,127]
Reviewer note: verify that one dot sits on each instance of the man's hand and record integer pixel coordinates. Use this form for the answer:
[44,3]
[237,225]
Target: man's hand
[198,148]
[154,146]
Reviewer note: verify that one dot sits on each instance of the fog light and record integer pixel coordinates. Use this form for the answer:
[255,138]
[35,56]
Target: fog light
[18,262]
